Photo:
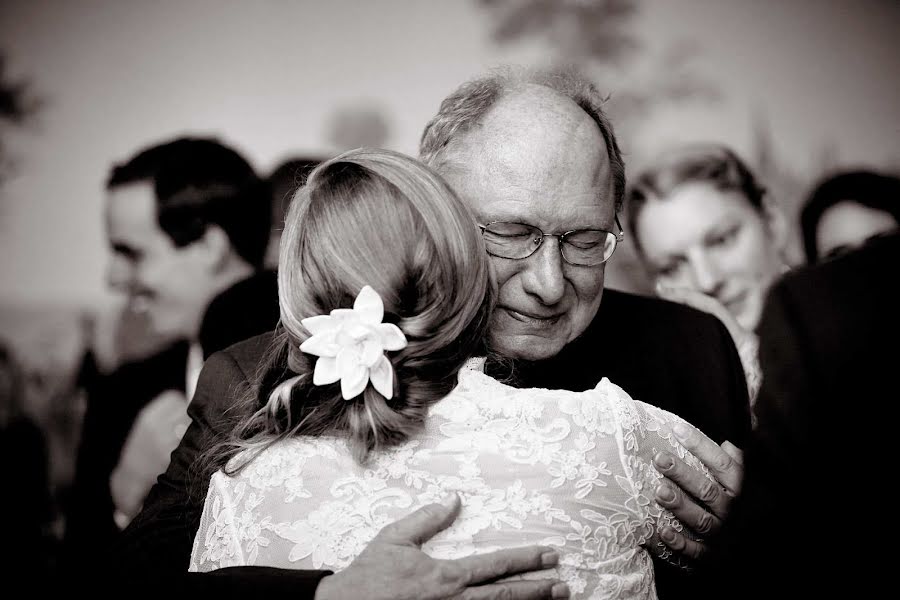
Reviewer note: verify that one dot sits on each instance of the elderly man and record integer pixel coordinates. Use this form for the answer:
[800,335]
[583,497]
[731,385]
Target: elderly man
[531,153]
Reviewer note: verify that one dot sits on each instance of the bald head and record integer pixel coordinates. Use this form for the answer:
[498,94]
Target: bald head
[510,102]
[534,157]
[533,138]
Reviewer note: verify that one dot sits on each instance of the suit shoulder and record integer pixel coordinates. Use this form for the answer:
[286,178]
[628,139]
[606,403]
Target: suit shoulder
[643,313]
[246,354]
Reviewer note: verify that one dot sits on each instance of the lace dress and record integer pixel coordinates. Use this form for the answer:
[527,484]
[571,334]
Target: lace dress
[532,466]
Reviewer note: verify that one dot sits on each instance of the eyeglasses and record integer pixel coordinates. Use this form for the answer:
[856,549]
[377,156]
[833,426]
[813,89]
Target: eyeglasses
[579,247]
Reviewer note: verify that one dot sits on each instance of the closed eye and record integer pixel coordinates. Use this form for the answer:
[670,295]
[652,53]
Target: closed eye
[723,237]
[668,270]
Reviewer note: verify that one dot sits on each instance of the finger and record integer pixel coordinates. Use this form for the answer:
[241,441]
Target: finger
[734,452]
[688,511]
[681,544]
[721,464]
[518,590]
[694,483]
[423,524]
[482,568]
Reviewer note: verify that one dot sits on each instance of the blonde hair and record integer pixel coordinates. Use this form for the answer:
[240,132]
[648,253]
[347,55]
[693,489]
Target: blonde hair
[383,219]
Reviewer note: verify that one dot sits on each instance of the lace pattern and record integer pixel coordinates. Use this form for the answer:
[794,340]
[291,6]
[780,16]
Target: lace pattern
[532,466]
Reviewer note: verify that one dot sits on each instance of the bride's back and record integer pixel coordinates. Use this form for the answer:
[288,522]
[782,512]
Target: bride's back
[532,466]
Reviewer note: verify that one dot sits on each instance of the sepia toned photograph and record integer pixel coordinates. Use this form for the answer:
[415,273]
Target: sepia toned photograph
[463,299]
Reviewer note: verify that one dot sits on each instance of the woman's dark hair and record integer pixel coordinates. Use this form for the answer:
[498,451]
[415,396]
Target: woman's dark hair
[870,189]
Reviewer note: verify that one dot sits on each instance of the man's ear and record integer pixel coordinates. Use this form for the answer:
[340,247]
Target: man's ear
[215,246]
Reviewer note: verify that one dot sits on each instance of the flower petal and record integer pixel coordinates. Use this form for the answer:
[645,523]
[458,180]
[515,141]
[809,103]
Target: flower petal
[359,331]
[382,376]
[392,337]
[318,324]
[326,371]
[368,306]
[322,344]
[344,315]
[371,352]
[348,359]
[354,382]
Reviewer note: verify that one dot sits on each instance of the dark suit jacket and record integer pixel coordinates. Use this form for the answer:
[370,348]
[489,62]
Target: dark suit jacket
[248,308]
[810,515]
[114,401]
[665,354]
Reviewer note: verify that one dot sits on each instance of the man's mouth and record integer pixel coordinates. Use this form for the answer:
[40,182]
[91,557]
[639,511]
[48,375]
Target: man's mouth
[139,303]
[535,320]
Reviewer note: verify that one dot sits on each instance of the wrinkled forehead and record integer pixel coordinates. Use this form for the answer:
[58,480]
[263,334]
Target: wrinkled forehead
[561,204]
[537,156]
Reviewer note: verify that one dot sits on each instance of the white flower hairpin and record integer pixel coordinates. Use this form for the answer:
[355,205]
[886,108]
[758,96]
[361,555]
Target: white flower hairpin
[351,345]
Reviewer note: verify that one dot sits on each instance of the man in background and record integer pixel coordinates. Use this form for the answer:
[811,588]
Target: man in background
[187,222]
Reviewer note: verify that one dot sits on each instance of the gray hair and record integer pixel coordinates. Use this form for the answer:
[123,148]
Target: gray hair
[470,102]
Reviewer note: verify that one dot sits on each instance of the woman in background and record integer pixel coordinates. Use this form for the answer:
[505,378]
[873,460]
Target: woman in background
[710,238]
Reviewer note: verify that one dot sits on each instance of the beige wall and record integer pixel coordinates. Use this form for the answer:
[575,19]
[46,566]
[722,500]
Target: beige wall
[266,75]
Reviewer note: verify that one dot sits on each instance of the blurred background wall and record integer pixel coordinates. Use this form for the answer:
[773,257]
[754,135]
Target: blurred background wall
[797,86]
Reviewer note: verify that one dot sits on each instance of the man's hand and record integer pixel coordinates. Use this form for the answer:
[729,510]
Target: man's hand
[697,502]
[392,567]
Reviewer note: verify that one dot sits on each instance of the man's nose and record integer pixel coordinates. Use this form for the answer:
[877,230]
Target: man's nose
[544,276]
[119,274]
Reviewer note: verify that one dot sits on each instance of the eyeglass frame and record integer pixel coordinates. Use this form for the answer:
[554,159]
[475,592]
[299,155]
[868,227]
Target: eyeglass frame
[619,237]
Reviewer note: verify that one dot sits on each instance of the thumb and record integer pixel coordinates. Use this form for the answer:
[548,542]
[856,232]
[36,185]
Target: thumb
[423,524]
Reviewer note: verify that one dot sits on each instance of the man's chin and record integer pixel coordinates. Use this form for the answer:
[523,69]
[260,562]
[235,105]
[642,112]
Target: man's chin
[528,348]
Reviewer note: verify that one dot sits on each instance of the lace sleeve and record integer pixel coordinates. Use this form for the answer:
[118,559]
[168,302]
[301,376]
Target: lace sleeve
[647,430]
[217,543]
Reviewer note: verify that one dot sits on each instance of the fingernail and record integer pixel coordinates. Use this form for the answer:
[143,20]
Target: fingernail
[560,590]
[549,559]
[663,461]
[681,431]
[665,493]
[449,499]
[667,535]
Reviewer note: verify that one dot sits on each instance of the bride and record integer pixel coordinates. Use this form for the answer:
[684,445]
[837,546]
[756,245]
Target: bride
[373,401]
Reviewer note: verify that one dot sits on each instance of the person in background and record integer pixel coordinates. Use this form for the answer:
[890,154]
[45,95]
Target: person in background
[283,181]
[31,549]
[187,221]
[533,156]
[846,210]
[710,237]
[828,349]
